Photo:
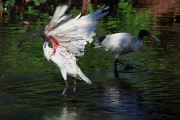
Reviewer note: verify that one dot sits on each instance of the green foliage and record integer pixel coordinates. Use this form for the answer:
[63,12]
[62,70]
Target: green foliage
[38,2]
[90,10]
[32,11]
[128,19]
[1,5]
[9,3]
[75,11]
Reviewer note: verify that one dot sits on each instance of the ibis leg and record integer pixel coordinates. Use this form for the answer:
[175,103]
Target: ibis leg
[74,89]
[117,61]
[66,87]
[127,67]
[115,69]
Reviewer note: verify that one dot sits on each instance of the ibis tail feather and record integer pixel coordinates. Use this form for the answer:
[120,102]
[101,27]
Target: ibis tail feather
[99,40]
[83,77]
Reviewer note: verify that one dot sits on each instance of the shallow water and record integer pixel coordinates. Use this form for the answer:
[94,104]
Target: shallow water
[30,85]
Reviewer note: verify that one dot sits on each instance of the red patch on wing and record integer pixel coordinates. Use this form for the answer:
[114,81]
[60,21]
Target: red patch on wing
[55,43]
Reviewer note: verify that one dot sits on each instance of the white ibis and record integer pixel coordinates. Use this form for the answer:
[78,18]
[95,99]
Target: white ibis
[68,36]
[123,43]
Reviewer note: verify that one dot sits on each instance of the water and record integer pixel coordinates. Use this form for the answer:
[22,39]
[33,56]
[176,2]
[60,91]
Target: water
[30,85]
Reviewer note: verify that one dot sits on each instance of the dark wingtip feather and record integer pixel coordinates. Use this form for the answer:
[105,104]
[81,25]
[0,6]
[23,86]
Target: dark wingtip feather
[66,19]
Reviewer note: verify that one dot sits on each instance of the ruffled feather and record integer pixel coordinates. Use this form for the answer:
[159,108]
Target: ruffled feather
[74,33]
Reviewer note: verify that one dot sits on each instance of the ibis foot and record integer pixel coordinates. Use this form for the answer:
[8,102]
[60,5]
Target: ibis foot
[128,67]
[63,95]
[116,72]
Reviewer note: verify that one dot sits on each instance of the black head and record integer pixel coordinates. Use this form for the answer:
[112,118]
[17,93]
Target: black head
[143,33]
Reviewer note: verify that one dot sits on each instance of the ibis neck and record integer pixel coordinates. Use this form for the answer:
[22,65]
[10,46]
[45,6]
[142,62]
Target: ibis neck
[140,38]
[45,38]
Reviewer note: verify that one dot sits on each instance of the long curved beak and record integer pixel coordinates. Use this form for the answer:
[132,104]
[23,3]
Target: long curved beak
[41,33]
[157,40]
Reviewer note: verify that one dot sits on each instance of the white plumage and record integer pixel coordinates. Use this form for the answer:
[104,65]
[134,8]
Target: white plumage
[121,43]
[65,61]
[69,36]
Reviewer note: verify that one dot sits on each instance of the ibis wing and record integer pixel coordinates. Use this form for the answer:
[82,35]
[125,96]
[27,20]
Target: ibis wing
[74,33]
[57,16]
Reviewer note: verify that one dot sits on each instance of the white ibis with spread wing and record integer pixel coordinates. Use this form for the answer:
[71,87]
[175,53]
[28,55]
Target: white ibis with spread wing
[69,37]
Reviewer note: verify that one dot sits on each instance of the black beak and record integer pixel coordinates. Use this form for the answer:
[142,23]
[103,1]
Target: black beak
[41,33]
[158,41]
